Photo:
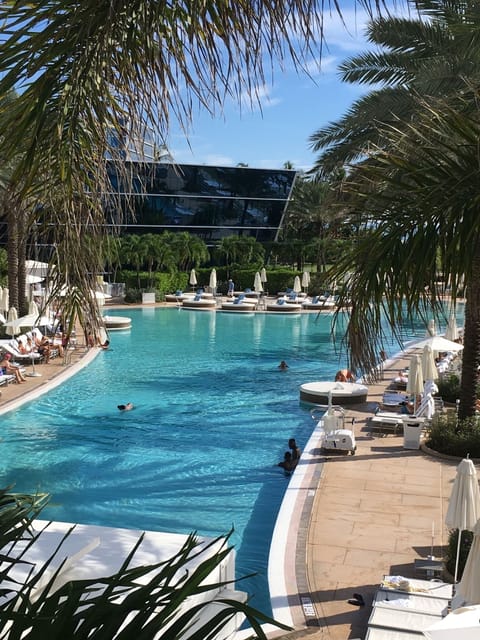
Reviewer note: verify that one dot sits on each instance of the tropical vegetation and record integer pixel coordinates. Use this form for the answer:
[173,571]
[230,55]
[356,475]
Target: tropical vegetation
[414,189]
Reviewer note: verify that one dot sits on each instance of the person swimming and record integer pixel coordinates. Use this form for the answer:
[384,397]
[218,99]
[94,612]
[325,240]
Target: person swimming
[125,407]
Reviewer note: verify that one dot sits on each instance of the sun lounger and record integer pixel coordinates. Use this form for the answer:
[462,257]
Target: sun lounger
[12,348]
[402,619]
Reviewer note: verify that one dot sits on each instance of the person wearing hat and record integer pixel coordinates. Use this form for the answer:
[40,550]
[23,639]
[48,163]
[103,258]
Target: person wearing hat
[11,369]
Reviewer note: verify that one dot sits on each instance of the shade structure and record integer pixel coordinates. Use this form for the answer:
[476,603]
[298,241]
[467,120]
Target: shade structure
[193,278]
[429,368]
[464,505]
[460,624]
[451,332]
[257,283]
[27,322]
[305,279]
[29,279]
[469,586]
[297,285]
[36,268]
[213,280]
[263,275]
[438,343]
[10,328]
[415,377]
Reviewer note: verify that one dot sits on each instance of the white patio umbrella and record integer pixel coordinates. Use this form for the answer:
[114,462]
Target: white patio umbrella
[437,343]
[469,586]
[429,368]
[10,328]
[193,278]
[297,285]
[464,505]
[213,281]
[257,283]
[451,332]
[305,279]
[263,275]
[459,624]
[415,378]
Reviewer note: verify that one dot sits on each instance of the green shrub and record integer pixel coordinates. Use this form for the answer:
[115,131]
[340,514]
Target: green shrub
[451,554]
[455,438]
[133,295]
[449,388]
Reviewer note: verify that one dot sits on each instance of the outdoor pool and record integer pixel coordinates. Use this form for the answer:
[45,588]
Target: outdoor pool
[213,415]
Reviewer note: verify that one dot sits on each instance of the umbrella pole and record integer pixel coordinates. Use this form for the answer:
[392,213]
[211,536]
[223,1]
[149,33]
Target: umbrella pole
[458,556]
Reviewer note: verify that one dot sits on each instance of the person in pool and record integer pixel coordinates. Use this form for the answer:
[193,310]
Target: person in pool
[125,407]
[283,366]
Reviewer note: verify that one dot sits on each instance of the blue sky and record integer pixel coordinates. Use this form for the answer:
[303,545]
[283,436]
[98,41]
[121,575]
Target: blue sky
[293,108]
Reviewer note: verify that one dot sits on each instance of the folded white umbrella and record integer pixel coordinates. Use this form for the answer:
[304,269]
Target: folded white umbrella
[263,275]
[429,368]
[469,586]
[12,316]
[297,285]
[257,283]
[452,330]
[193,278]
[463,510]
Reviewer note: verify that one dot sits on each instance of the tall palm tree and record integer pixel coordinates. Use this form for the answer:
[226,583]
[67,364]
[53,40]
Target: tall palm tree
[419,204]
[434,52]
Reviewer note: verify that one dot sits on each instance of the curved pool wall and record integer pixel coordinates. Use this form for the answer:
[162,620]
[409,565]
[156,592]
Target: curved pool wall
[213,416]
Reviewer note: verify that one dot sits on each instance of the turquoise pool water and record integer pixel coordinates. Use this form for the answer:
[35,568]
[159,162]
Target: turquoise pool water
[212,417]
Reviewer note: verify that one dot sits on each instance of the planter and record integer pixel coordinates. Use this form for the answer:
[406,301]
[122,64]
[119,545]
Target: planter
[148,298]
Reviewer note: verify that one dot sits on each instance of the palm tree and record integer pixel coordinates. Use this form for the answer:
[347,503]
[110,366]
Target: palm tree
[133,251]
[189,250]
[432,53]
[419,204]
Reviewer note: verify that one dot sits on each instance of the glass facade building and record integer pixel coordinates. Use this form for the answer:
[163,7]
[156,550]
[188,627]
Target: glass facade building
[212,202]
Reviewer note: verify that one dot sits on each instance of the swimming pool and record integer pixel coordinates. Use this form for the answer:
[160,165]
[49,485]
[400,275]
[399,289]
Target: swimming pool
[212,417]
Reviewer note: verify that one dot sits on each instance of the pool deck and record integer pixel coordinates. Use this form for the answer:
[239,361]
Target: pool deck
[366,516]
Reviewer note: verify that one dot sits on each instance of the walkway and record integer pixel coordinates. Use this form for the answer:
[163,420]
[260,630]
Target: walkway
[372,515]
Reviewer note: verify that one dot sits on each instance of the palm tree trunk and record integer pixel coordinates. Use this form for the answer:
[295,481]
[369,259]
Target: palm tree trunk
[12,251]
[471,341]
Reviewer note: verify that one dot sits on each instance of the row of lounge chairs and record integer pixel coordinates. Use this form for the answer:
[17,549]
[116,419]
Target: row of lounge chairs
[404,608]
[13,347]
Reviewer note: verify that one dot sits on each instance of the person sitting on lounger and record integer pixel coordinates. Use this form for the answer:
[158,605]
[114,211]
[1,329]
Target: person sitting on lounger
[11,369]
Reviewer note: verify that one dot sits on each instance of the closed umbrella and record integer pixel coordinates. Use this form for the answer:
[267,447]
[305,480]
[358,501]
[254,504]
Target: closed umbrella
[464,505]
[4,300]
[263,275]
[305,280]
[431,331]
[10,327]
[32,308]
[257,283]
[193,278]
[213,281]
[451,332]
[469,586]
[297,285]
[429,368]
[415,378]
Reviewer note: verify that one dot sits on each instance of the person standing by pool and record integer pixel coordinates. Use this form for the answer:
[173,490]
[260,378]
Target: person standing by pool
[231,288]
